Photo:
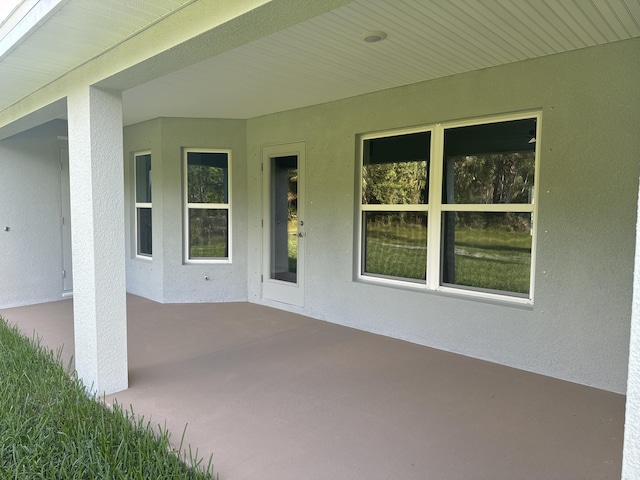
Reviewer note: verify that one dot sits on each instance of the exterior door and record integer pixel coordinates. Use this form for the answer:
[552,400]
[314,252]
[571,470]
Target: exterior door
[283,223]
[67,275]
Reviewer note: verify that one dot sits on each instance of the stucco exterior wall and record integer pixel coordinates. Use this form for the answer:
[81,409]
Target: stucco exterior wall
[578,328]
[631,453]
[31,251]
[167,278]
[144,276]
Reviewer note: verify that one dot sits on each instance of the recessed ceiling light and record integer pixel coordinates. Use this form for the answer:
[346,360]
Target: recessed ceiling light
[374,36]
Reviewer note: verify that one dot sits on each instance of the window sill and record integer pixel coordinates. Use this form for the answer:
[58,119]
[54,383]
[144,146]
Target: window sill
[460,294]
[225,261]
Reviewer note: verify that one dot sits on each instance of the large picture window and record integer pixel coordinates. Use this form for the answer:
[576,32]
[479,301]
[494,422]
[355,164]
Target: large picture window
[207,206]
[143,206]
[451,207]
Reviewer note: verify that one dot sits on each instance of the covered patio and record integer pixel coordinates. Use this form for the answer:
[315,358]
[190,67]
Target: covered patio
[275,395]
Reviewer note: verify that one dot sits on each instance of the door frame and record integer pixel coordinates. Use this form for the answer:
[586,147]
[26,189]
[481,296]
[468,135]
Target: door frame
[273,289]
[65,223]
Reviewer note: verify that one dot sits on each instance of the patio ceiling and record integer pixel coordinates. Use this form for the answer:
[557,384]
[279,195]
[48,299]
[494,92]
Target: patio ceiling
[325,58]
[322,59]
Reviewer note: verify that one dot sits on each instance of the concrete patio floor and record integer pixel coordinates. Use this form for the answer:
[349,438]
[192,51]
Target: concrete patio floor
[275,395]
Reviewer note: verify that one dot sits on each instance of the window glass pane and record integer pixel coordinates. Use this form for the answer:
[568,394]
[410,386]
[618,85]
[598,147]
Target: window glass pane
[284,219]
[395,244]
[490,163]
[207,177]
[144,231]
[208,233]
[487,251]
[395,169]
[143,178]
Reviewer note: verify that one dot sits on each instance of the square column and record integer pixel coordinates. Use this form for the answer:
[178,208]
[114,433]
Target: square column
[631,452]
[96,180]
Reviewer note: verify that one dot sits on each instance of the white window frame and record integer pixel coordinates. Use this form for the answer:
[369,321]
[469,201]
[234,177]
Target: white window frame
[216,206]
[436,207]
[140,205]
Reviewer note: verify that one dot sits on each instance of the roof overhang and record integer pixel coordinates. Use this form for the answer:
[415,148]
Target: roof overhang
[204,59]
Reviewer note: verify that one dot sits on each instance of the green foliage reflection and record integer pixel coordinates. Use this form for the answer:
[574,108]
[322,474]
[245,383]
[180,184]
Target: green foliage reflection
[207,184]
[399,183]
[490,178]
[208,229]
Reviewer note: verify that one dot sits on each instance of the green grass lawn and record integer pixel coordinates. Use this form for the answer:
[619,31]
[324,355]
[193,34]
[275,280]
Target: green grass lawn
[214,250]
[490,258]
[292,247]
[50,428]
[397,251]
[493,258]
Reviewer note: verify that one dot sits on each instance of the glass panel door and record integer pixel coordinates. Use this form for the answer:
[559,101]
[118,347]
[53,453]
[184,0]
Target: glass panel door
[283,226]
[284,219]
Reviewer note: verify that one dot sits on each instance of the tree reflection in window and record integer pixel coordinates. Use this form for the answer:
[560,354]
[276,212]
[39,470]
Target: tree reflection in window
[208,204]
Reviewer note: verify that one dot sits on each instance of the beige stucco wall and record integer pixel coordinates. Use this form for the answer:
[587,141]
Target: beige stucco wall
[166,277]
[578,328]
[631,453]
[30,206]
[144,276]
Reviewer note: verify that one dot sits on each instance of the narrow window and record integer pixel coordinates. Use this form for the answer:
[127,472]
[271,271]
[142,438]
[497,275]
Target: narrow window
[142,175]
[208,213]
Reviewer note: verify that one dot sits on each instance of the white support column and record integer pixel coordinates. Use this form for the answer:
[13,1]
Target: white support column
[631,453]
[98,238]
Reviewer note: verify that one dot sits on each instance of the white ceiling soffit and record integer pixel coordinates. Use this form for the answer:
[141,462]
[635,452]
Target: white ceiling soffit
[21,18]
[325,58]
[75,32]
